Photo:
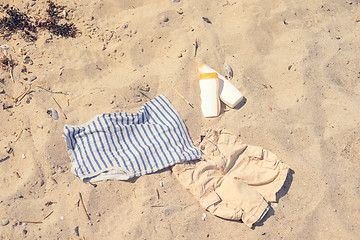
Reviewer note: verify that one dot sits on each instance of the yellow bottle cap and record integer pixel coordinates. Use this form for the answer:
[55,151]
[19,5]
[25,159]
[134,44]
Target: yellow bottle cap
[200,67]
[209,75]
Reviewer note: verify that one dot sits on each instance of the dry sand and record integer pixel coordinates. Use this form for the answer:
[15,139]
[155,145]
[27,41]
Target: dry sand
[300,58]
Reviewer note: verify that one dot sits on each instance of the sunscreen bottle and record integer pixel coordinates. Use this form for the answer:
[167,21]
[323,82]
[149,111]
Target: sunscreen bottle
[228,93]
[209,86]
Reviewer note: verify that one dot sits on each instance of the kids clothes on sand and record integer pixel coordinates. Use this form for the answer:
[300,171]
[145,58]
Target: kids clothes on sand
[234,180]
[230,179]
[119,146]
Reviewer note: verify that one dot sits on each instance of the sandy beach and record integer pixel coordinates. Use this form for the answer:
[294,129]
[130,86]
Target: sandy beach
[296,62]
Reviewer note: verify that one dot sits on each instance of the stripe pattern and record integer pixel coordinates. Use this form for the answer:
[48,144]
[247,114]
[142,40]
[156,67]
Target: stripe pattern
[119,146]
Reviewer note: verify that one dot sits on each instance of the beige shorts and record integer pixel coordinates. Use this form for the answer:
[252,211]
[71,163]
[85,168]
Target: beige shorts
[234,181]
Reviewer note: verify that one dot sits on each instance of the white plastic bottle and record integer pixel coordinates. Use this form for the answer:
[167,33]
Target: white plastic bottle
[228,93]
[209,86]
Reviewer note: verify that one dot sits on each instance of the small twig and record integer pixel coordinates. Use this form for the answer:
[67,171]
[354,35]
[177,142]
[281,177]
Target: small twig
[30,221]
[11,69]
[157,195]
[144,95]
[196,47]
[48,215]
[356,19]
[59,107]
[11,150]
[19,98]
[53,180]
[23,95]
[77,202]
[10,98]
[184,98]
[157,205]
[19,135]
[41,85]
[4,158]
[52,91]
[49,203]
[92,184]
[82,203]
[28,130]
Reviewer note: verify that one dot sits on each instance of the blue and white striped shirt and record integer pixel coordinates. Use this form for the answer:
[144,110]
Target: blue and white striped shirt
[125,145]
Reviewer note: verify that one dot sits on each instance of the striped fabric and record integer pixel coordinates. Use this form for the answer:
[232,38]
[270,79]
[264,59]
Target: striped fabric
[125,145]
